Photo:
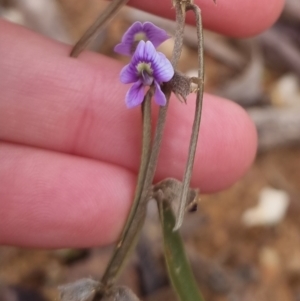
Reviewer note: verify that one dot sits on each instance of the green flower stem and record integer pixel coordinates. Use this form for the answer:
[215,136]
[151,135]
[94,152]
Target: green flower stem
[179,270]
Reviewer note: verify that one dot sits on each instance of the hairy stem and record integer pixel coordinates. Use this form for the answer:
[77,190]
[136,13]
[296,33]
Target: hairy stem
[179,30]
[136,216]
[196,123]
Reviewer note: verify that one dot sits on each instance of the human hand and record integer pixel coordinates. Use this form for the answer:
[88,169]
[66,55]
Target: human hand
[70,149]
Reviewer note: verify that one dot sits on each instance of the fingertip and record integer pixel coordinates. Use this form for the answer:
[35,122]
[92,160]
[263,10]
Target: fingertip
[231,142]
[226,145]
[234,18]
[53,200]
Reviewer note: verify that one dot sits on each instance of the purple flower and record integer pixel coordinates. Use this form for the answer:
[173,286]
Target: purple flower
[147,67]
[140,32]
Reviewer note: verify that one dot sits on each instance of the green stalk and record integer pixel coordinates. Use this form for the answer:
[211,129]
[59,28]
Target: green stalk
[179,270]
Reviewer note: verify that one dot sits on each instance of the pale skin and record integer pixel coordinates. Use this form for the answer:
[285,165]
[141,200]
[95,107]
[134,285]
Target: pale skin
[69,148]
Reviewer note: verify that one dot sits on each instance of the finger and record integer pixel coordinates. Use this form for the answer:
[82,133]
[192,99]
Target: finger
[53,200]
[54,102]
[231,17]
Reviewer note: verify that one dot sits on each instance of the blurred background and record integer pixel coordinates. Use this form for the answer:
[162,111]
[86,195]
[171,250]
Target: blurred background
[243,243]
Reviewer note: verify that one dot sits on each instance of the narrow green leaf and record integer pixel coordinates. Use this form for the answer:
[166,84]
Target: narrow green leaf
[179,270]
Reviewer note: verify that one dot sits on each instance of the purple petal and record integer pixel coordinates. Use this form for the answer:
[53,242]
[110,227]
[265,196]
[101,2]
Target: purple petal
[150,52]
[162,68]
[138,55]
[135,95]
[145,52]
[155,34]
[128,74]
[159,96]
[125,47]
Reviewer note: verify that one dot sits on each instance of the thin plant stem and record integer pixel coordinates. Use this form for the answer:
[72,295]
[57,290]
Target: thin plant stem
[112,9]
[180,22]
[179,30]
[155,151]
[196,123]
[146,151]
[136,215]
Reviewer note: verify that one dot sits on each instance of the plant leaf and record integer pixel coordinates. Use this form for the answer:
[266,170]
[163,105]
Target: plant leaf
[179,270]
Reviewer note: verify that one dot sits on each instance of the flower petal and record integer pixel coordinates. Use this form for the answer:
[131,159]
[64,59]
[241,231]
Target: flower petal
[128,74]
[138,55]
[145,52]
[163,70]
[150,52]
[125,47]
[159,96]
[135,95]
[155,34]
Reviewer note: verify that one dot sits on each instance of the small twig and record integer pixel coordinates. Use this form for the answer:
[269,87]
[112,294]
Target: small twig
[137,213]
[112,9]
[179,31]
[197,119]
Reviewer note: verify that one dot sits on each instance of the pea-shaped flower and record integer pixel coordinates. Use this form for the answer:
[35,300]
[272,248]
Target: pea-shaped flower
[140,32]
[147,67]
